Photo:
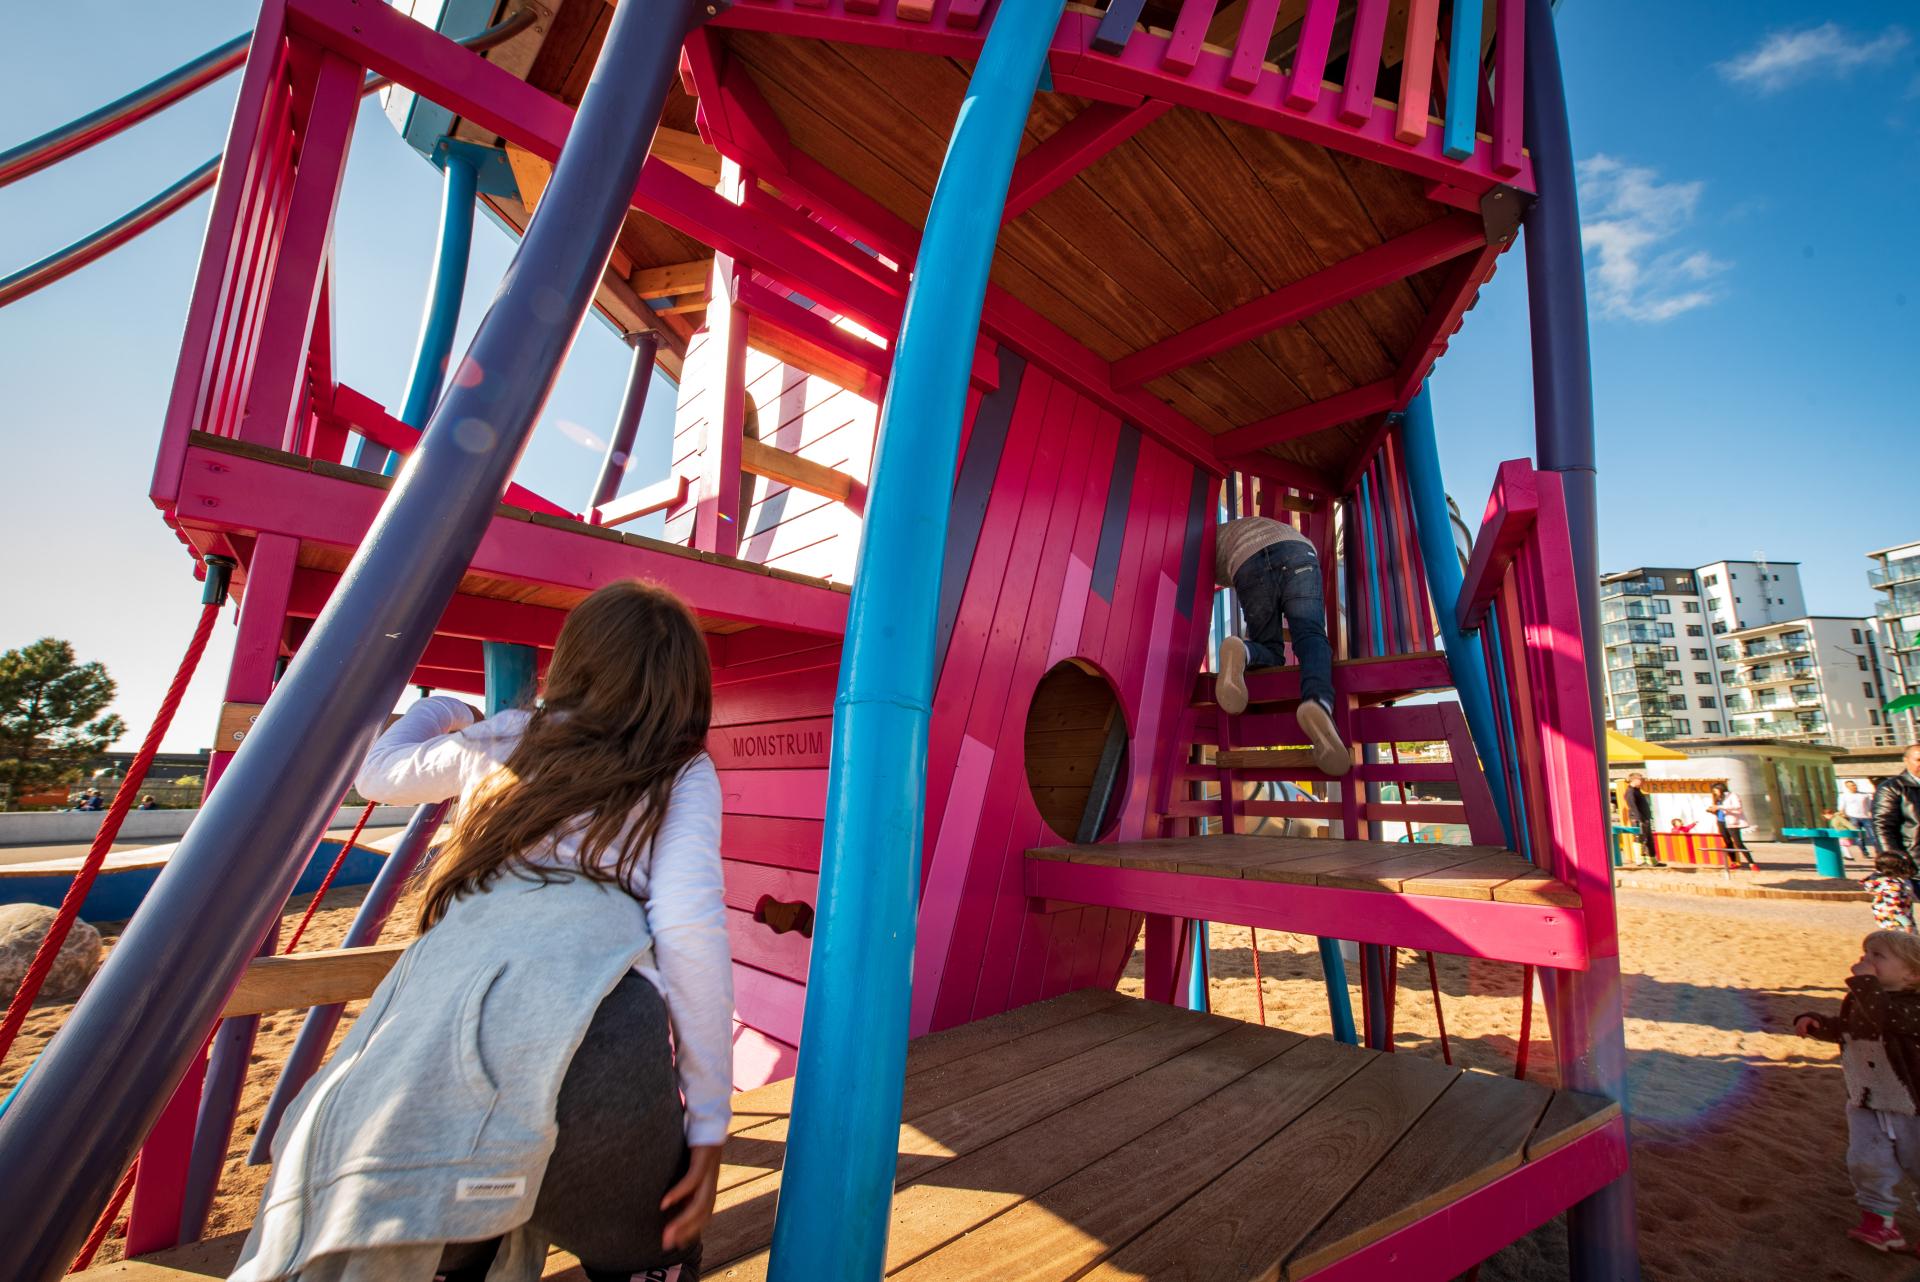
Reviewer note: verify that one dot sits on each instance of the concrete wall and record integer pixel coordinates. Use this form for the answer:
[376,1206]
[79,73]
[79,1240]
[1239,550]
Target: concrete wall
[59,827]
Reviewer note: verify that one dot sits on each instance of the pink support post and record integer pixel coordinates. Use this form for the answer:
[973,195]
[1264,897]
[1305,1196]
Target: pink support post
[277,385]
[1411,123]
[1363,60]
[1509,69]
[1250,47]
[265,594]
[1189,31]
[716,520]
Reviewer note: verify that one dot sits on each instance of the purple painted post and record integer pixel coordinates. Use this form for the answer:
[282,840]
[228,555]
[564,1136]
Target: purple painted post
[1590,1041]
[104,1079]
[633,403]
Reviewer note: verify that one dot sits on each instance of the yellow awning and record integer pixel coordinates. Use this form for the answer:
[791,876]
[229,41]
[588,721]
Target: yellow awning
[1622,748]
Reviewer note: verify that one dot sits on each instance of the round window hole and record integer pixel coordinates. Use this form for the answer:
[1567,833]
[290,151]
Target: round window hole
[1077,751]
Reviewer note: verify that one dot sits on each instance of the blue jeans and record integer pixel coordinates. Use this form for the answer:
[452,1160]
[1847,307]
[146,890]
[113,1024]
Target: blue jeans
[1281,584]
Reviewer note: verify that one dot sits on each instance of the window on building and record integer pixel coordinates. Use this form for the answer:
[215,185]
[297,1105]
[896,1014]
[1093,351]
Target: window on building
[1682,725]
[1674,678]
[1707,701]
[1666,630]
[1862,659]
[1658,582]
[1699,652]
[1737,600]
[1776,579]
[1703,678]
[1669,655]
[1873,718]
[1712,580]
[1713,605]
[1713,727]
[1662,606]
[1718,628]
[1725,652]
[1693,607]
[1695,630]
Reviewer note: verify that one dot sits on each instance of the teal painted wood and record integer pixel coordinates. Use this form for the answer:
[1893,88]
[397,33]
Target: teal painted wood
[1463,82]
[838,1186]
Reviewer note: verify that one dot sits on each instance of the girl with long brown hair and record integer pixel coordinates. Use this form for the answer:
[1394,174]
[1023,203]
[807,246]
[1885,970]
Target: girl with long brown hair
[516,1081]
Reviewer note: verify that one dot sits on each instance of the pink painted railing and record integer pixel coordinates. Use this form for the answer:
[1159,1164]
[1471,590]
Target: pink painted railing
[1521,594]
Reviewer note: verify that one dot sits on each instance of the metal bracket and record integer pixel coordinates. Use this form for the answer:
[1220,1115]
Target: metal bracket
[1501,209]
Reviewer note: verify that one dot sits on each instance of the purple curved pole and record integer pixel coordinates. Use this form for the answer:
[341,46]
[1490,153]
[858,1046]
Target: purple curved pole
[1602,1237]
[104,1079]
[633,403]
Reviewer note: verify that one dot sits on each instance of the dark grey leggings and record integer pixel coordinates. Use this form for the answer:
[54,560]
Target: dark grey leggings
[622,1145]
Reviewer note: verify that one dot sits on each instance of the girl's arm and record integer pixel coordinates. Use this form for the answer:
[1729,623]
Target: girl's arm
[423,756]
[687,912]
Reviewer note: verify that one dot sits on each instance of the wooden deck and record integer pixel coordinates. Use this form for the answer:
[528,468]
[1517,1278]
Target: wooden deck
[1099,1135]
[1397,868]
[1468,900]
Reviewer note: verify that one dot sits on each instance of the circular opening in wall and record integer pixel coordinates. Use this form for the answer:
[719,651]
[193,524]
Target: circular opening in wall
[1077,751]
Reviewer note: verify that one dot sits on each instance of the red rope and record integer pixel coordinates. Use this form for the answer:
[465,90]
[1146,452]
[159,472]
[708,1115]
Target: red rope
[104,1225]
[1439,1016]
[123,800]
[332,872]
[1259,996]
[1526,1021]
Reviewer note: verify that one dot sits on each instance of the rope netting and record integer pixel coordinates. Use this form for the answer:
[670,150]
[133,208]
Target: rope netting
[326,882]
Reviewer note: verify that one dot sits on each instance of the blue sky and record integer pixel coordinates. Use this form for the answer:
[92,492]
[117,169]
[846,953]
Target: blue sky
[1749,186]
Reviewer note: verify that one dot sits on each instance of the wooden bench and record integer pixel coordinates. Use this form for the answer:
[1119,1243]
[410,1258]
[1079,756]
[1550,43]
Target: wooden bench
[1099,1135]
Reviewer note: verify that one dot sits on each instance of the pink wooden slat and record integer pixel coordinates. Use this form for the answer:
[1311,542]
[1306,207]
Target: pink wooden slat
[1189,31]
[965,14]
[1526,725]
[1509,66]
[772,744]
[1250,48]
[1526,933]
[780,694]
[1416,71]
[747,884]
[777,841]
[1310,59]
[252,271]
[754,944]
[1363,60]
[759,1059]
[952,849]
[768,1002]
[1511,512]
[801,794]
[1483,819]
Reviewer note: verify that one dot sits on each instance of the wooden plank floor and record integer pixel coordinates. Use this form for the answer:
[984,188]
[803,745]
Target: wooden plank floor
[1104,1136]
[1454,872]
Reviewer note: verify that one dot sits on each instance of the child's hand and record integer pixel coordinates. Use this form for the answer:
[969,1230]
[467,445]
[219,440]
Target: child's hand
[1804,1026]
[694,1195]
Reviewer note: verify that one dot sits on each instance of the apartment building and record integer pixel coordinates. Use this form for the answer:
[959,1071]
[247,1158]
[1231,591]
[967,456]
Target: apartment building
[1661,678]
[1728,650]
[1896,572]
[1816,678]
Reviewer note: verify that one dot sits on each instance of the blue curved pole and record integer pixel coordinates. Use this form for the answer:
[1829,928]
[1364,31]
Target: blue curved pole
[442,313]
[838,1186]
[1466,659]
[108,1073]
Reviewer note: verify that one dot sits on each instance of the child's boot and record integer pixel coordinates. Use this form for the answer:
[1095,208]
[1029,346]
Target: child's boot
[1878,1232]
[1230,687]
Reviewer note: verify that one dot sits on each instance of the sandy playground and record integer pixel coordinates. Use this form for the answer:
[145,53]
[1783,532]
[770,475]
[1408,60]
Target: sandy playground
[1738,1131]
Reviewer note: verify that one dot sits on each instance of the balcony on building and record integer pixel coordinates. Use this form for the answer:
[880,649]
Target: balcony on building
[1631,633]
[1904,569]
[1625,587]
[1634,656]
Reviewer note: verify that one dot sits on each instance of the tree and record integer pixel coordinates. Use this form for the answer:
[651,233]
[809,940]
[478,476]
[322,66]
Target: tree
[51,718]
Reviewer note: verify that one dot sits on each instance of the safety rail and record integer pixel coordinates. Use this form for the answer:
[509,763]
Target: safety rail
[1519,593]
[1426,85]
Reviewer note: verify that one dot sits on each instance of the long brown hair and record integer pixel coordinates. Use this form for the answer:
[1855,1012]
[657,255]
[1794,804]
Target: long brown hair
[626,705]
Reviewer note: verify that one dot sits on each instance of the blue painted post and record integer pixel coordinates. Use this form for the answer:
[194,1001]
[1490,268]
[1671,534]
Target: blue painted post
[838,1186]
[442,314]
[1198,997]
[1433,526]
[511,680]
[1463,82]
[1339,1004]
[626,426]
[1370,566]
[100,1084]
[1590,1042]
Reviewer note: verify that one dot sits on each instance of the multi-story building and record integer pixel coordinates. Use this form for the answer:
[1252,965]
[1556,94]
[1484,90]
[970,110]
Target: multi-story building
[1727,650]
[1750,594]
[1896,572]
[1662,682]
[1815,677]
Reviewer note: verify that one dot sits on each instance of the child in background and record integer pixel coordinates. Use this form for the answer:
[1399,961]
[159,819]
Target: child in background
[1878,1030]
[1839,822]
[1891,886]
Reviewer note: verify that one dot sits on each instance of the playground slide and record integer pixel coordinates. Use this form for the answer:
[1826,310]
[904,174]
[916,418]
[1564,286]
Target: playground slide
[101,1086]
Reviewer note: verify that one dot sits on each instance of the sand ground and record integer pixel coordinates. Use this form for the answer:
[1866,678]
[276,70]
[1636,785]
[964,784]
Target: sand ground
[1738,1128]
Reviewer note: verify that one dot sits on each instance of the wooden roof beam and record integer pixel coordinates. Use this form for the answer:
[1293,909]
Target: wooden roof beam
[1358,402]
[1415,251]
[1080,142]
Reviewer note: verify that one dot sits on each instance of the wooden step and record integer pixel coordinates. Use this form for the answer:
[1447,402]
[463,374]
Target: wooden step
[1264,758]
[1372,680]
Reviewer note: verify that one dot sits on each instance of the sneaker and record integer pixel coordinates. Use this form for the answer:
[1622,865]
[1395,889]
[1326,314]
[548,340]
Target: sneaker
[1877,1232]
[1230,687]
[1329,753]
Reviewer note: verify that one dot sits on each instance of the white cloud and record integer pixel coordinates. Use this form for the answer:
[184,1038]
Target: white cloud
[1786,56]
[1629,219]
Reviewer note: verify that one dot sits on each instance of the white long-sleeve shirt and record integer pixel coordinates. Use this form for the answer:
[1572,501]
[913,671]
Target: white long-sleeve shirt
[437,750]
